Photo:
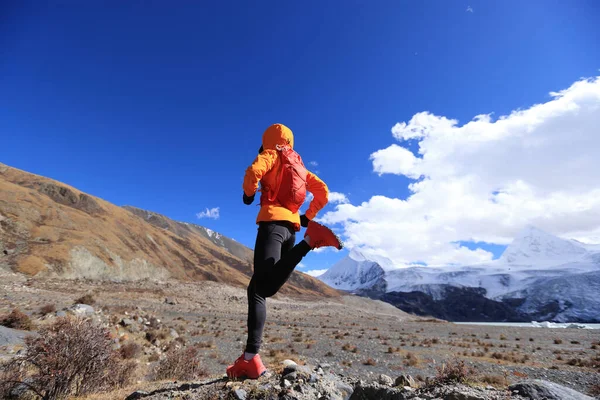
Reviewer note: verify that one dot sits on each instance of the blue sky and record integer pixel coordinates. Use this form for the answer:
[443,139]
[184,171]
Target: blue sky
[162,107]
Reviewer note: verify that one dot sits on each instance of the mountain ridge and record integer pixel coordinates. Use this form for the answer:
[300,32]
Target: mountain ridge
[50,229]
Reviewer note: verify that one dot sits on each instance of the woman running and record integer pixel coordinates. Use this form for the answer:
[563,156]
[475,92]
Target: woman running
[284,181]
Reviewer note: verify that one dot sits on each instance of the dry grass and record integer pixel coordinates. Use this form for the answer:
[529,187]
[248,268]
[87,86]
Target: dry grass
[17,320]
[411,359]
[130,350]
[86,299]
[47,309]
[182,364]
[494,380]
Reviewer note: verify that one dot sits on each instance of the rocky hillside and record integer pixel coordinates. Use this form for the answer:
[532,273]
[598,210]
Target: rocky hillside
[184,229]
[49,229]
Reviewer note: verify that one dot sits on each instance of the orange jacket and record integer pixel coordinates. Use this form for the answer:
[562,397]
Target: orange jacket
[264,170]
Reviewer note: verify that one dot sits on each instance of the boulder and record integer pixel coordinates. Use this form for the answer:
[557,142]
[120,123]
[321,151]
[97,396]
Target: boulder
[405,380]
[385,380]
[82,310]
[537,389]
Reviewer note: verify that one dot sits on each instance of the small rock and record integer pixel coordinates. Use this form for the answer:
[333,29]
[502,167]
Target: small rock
[385,380]
[138,394]
[61,314]
[287,384]
[405,380]
[239,394]
[290,365]
[140,320]
[174,334]
[325,365]
[170,301]
[81,309]
[320,371]
[343,387]
[313,378]
[126,322]
[291,376]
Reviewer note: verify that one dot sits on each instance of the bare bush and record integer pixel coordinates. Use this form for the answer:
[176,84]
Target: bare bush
[17,320]
[86,299]
[70,357]
[453,372]
[182,364]
[47,309]
[130,350]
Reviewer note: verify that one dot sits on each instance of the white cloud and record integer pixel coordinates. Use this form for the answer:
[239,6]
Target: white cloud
[209,213]
[316,272]
[309,197]
[301,265]
[470,9]
[337,198]
[485,180]
[313,163]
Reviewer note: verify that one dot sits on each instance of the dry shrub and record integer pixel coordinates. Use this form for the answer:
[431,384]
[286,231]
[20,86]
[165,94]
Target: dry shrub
[370,361]
[86,299]
[595,390]
[558,341]
[349,347]
[411,359]
[130,350]
[47,309]
[454,372]
[17,320]
[70,357]
[182,364]
[494,380]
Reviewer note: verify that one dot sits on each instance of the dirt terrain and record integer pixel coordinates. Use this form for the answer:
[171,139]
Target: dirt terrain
[358,336]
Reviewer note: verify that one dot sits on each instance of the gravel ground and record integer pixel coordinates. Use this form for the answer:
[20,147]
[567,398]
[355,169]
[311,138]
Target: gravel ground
[360,337]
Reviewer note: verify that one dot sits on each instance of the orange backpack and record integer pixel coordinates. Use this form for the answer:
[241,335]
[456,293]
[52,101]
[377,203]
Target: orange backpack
[290,191]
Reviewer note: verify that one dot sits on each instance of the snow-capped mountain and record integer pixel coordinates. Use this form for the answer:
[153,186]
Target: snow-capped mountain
[535,247]
[355,272]
[539,275]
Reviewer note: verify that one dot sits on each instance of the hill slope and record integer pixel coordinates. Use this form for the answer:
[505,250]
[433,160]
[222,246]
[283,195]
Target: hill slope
[48,228]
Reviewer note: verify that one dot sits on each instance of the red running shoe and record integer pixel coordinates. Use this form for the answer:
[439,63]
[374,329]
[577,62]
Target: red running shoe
[322,236]
[252,369]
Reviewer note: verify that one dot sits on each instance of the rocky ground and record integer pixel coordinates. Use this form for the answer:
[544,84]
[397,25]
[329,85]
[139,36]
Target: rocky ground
[358,339]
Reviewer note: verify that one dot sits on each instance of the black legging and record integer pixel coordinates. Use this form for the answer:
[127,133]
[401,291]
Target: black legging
[275,258]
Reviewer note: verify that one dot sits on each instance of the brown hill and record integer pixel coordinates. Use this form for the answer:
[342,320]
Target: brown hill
[49,229]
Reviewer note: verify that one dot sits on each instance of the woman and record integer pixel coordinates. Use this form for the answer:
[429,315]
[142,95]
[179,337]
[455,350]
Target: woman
[275,252]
